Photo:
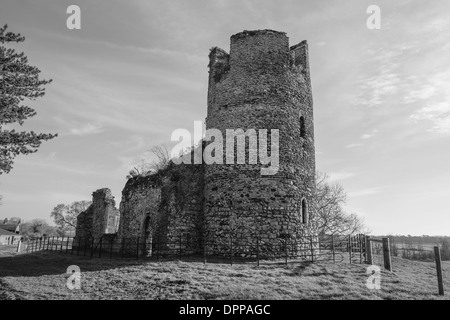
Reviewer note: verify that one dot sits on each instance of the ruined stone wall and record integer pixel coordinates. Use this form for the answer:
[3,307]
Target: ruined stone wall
[163,207]
[261,84]
[101,217]
[105,213]
[84,224]
[140,199]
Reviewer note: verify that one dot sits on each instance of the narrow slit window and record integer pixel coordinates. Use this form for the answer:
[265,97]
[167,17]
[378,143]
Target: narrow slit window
[302,127]
[304,211]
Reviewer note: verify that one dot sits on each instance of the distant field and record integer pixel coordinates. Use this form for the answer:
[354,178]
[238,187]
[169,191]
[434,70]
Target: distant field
[43,276]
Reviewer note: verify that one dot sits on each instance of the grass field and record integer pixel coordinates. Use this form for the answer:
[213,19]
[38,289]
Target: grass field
[43,276]
[7,251]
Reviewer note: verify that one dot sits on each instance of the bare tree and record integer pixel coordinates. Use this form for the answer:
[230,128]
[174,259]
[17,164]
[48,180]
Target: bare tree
[161,160]
[328,209]
[65,215]
[37,228]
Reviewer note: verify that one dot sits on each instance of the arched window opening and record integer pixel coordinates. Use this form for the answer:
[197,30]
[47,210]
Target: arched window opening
[304,212]
[147,237]
[302,127]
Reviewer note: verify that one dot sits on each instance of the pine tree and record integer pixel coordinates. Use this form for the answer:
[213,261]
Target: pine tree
[18,81]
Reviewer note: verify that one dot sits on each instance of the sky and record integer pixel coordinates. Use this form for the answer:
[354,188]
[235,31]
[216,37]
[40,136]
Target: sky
[137,70]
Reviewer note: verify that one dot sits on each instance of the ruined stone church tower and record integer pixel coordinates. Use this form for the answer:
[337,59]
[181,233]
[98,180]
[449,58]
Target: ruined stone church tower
[261,84]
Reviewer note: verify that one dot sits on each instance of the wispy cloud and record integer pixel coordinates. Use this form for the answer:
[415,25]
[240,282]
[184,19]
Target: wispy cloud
[385,80]
[434,93]
[354,145]
[369,135]
[438,114]
[337,176]
[86,129]
[365,192]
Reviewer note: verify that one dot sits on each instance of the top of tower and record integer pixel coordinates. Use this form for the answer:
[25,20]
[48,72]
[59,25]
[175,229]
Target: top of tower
[250,33]
[257,52]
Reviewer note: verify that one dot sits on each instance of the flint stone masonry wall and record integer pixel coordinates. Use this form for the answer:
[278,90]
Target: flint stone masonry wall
[162,207]
[261,84]
[100,218]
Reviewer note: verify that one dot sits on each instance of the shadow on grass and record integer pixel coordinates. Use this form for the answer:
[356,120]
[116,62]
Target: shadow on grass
[52,263]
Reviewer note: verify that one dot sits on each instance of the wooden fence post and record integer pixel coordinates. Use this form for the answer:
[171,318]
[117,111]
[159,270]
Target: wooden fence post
[360,248]
[92,247]
[85,245]
[231,249]
[332,248]
[79,245]
[123,248]
[100,247]
[204,248]
[67,244]
[137,248]
[369,258]
[158,239]
[71,248]
[437,257]
[312,248]
[350,248]
[180,244]
[62,243]
[111,247]
[387,254]
[257,251]
[286,252]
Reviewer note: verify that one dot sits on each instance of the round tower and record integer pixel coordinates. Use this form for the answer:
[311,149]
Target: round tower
[262,84]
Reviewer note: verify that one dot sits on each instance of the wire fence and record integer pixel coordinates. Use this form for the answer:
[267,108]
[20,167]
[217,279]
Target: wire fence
[336,248]
[308,248]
